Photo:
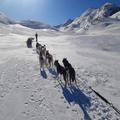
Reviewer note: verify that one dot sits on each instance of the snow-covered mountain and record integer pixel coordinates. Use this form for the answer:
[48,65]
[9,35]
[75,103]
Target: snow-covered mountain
[5,20]
[69,21]
[91,17]
[38,94]
[36,24]
[116,16]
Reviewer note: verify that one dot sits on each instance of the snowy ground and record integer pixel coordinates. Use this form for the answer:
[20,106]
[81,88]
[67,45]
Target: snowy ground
[28,94]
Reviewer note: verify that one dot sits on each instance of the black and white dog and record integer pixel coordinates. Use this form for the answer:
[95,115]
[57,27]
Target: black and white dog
[38,44]
[43,49]
[38,48]
[69,70]
[49,59]
[61,70]
[41,61]
[41,52]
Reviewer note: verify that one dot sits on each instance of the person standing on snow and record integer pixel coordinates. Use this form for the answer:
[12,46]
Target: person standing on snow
[36,36]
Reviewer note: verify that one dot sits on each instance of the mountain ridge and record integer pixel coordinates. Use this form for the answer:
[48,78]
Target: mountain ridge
[90,17]
[5,19]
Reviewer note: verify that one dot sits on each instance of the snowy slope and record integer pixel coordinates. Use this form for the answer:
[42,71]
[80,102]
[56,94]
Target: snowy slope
[35,95]
[116,16]
[107,26]
[91,17]
[36,24]
[69,21]
[5,20]
[22,30]
[26,93]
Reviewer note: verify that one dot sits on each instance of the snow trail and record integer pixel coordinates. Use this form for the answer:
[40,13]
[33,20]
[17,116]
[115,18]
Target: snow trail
[26,93]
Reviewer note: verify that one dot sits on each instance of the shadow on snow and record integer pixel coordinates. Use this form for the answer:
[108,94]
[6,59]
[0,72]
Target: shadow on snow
[53,72]
[76,96]
[72,94]
[43,74]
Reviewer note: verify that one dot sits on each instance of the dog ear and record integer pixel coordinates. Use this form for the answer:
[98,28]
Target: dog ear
[64,59]
[56,60]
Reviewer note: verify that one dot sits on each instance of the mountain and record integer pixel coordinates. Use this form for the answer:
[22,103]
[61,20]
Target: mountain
[69,21]
[36,24]
[5,20]
[116,16]
[91,17]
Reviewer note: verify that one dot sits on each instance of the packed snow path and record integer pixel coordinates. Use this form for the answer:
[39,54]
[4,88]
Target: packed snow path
[28,94]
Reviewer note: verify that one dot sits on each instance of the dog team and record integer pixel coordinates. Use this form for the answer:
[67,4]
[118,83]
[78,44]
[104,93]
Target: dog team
[67,71]
[46,60]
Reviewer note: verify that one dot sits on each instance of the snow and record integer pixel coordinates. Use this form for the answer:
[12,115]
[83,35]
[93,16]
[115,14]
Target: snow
[69,21]
[26,93]
[5,20]
[34,95]
[116,15]
[35,24]
[107,26]
[91,17]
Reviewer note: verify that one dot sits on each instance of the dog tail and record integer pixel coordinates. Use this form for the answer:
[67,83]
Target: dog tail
[74,77]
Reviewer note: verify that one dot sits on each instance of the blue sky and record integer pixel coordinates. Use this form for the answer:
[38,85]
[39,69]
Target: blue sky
[49,11]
